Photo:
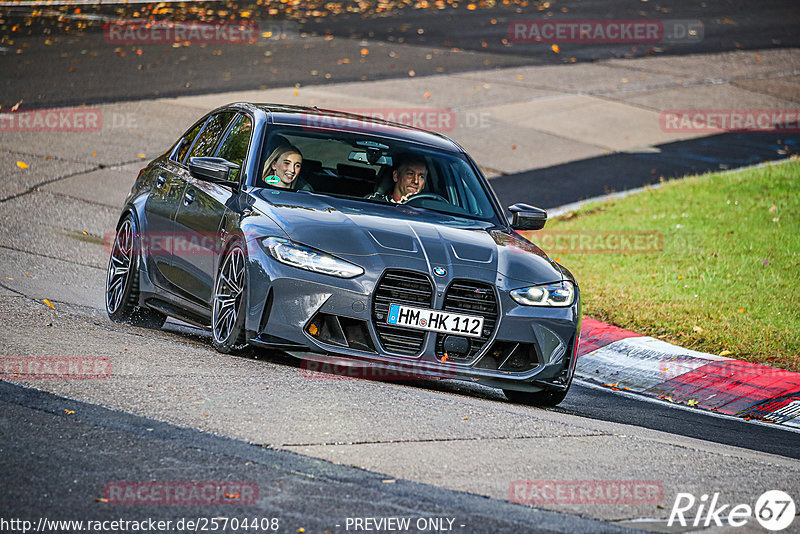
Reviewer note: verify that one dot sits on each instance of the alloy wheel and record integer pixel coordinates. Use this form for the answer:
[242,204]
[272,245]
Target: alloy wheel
[228,295]
[119,267]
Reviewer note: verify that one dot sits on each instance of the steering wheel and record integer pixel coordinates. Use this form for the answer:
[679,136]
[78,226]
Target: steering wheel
[430,196]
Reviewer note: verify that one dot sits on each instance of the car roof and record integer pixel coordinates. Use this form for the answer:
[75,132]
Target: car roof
[317,119]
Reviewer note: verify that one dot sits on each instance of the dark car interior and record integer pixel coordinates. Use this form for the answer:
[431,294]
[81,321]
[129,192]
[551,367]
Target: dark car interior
[356,166]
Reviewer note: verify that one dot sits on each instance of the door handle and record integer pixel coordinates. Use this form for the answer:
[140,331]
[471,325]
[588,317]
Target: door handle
[188,198]
[160,181]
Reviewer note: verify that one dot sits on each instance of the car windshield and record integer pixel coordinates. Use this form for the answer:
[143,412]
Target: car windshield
[375,169]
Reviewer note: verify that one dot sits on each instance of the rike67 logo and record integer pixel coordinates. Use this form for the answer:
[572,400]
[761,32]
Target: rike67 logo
[774,510]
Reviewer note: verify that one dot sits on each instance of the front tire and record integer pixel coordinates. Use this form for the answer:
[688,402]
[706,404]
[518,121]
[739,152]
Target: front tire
[122,280]
[228,303]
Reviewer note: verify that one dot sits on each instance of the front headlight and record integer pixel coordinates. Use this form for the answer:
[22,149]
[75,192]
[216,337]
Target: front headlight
[560,294]
[310,259]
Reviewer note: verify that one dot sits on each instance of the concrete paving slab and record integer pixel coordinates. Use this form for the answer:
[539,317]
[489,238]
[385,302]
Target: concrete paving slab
[444,91]
[56,280]
[323,97]
[583,78]
[622,126]
[52,226]
[595,459]
[785,87]
[506,147]
[722,66]
[108,187]
[705,97]
[120,134]
[15,180]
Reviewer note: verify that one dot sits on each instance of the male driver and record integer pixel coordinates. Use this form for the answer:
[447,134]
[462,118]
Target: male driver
[409,178]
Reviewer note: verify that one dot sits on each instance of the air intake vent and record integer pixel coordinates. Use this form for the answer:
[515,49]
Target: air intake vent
[400,287]
[470,298]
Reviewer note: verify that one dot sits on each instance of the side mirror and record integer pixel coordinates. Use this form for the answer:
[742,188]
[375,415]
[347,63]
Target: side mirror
[214,170]
[525,217]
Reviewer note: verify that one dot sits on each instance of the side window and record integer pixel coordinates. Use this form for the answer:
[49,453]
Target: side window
[234,146]
[214,128]
[187,140]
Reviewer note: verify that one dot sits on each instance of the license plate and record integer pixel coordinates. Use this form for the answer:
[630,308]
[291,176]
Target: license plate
[435,320]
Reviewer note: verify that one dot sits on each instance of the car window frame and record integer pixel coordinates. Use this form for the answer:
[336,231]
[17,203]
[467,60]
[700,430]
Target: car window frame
[224,136]
[496,215]
[179,144]
[203,129]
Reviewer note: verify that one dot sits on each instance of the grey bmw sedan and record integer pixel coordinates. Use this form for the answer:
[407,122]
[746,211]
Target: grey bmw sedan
[344,239]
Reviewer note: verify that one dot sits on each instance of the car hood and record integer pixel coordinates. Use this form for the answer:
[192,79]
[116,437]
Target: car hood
[356,230]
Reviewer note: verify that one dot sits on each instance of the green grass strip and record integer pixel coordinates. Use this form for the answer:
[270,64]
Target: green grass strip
[710,263]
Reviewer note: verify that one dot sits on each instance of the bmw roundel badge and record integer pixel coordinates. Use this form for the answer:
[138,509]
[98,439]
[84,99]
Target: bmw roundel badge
[438,271]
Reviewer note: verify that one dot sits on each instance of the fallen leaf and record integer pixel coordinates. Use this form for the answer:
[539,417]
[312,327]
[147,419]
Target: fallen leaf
[740,310]
[50,304]
[427,95]
[22,165]
[773,209]
[412,73]
[697,329]
[140,155]
[15,107]
[691,402]
[365,51]
[725,353]
[555,48]
[100,499]
[69,412]
[85,232]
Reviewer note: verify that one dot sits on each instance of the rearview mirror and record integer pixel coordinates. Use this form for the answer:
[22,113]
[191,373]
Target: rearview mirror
[214,170]
[371,158]
[525,217]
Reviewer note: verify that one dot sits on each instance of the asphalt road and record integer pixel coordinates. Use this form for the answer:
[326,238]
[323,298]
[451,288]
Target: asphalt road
[58,461]
[48,61]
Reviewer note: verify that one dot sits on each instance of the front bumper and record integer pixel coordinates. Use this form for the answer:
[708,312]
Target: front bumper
[327,319]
